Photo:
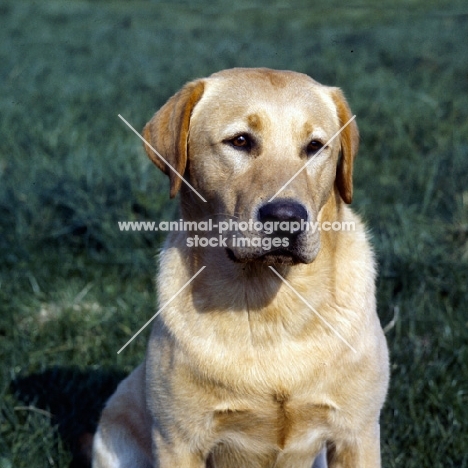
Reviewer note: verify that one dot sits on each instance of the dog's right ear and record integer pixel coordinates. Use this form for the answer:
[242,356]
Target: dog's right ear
[167,132]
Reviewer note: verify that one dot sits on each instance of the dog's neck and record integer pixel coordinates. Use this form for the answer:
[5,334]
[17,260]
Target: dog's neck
[249,285]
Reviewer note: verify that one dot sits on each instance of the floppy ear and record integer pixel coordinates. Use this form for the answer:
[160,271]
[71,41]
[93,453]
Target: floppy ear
[349,139]
[167,132]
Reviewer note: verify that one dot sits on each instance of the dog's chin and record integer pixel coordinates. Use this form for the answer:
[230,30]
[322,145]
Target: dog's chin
[272,257]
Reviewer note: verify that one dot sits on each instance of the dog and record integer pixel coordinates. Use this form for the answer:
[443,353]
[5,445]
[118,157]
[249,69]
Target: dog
[267,352]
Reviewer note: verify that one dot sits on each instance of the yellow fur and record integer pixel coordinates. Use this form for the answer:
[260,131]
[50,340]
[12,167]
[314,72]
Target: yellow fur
[240,372]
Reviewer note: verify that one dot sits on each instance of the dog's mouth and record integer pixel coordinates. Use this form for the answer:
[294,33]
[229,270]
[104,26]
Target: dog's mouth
[272,257]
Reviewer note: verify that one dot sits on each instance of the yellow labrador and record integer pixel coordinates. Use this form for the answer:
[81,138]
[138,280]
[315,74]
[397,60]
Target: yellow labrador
[273,355]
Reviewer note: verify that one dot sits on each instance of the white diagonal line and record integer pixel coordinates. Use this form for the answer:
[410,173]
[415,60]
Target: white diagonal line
[311,308]
[159,155]
[310,160]
[161,309]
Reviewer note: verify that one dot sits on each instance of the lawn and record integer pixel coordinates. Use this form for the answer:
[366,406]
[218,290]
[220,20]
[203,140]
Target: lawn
[73,289]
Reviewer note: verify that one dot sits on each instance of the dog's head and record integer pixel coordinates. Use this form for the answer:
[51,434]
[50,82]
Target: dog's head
[263,148]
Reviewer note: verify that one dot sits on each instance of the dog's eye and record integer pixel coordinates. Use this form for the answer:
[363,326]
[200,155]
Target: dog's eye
[314,146]
[241,142]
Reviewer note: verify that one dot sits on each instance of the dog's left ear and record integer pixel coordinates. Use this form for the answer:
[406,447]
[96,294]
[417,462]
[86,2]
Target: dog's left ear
[167,132]
[349,139]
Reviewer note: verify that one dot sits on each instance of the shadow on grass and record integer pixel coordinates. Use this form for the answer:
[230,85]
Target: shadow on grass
[74,399]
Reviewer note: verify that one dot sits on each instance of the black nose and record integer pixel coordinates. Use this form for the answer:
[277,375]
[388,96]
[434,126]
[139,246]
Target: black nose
[283,210]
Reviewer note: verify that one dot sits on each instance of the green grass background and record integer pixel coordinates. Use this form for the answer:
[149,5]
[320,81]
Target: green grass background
[73,289]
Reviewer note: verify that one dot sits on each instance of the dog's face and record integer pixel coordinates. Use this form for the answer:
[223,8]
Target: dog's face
[254,144]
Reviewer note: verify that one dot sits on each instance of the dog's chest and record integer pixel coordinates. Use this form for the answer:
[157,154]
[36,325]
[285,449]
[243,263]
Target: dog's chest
[273,423]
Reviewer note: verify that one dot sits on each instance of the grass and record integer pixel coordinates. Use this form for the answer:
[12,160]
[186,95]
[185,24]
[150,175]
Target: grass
[73,289]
